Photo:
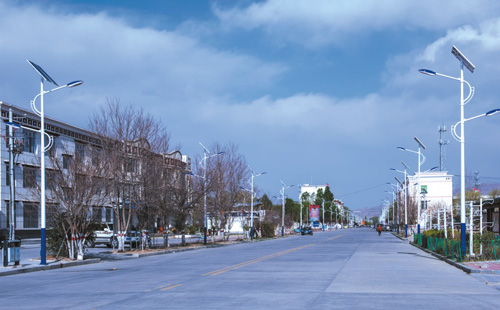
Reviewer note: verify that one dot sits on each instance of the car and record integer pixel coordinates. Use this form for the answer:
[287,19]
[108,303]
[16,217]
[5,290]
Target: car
[306,230]
[103,234]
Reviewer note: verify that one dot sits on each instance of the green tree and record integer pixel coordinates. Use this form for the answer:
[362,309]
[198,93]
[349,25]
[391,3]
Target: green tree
[267,204]
[494,193]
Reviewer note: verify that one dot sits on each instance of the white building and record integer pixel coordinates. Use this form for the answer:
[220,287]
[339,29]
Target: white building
[311,189]
[437,191]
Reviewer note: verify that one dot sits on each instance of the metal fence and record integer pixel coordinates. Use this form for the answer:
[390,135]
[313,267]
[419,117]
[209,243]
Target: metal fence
[447,247]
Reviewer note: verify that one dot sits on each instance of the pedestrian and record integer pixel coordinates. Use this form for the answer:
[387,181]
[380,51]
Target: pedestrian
[379,229]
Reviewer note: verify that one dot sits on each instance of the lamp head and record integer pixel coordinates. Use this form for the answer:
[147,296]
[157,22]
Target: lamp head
[427,72]
[74,84]
[401,148]
[492,112]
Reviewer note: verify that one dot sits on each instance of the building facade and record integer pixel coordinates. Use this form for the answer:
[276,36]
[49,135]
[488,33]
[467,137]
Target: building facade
[68,143]
[436,192]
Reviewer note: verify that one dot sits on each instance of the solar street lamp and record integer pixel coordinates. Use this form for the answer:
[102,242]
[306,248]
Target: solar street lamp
[464,62]
[204,165]
[283,211]
[43,148]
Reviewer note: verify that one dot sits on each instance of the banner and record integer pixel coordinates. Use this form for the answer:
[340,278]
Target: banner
[314,213]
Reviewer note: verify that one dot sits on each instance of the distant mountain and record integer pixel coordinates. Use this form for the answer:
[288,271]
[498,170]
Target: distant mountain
[484,188]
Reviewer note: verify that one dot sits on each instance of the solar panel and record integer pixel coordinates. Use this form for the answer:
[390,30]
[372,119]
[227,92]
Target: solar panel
[44,74]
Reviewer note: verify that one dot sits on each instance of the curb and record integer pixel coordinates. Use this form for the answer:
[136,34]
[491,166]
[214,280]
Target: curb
[172,251]
[33,268]
[451,262]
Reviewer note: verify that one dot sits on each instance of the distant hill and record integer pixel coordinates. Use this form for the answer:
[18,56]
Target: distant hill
[484,188]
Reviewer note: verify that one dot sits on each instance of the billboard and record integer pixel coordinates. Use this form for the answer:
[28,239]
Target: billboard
[314,213]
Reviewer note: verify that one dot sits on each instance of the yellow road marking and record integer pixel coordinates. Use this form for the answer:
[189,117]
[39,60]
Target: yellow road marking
[171,287]
[237,266]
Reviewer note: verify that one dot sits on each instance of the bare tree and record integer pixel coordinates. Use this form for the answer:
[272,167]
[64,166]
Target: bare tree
[129,137]
[75,184]
[226,175]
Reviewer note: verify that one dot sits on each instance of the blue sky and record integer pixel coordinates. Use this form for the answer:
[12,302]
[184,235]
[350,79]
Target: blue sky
[311,91]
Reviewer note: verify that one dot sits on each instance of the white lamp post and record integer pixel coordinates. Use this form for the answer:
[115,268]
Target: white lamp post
[254,175]
[300,201]
[402,188]
[283,211]
[421,161]
[204,161]
[43,148]
[460,138]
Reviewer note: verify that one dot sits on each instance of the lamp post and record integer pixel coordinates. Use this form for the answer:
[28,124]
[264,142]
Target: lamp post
[421,161]
[300,201]
[460,138]
[283,211]
[403,187]
[394,189]
[204,161]
[40,112]
[254,175]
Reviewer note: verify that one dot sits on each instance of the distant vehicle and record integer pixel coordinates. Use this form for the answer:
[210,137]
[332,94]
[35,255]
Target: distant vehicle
[307,230]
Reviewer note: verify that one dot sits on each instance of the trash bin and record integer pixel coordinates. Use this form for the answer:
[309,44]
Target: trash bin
[14,251]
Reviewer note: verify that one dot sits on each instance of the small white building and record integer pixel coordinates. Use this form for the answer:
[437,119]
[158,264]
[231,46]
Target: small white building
[311,189]
[436,192]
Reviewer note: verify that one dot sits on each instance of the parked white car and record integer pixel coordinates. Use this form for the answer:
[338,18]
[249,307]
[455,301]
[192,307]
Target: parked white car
[104,235]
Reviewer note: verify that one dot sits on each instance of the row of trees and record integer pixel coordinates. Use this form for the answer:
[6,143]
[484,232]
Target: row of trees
[130,167]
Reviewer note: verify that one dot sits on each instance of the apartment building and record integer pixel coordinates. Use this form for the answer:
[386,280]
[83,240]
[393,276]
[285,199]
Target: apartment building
[69,142]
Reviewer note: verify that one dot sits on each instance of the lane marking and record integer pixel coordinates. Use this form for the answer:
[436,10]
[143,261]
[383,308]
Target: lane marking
[257,260]
[171,287]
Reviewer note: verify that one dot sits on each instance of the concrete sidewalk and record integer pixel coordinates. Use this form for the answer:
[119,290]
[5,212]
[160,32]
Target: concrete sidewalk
[29,251]
[488,267]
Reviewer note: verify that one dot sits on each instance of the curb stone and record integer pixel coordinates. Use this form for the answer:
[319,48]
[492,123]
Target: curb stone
[17,270]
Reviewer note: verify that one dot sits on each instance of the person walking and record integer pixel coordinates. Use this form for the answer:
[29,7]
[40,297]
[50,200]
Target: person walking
[379,229]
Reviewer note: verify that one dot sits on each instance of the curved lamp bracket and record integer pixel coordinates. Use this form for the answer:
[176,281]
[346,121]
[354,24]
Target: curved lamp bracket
[33,106]
[456,136]
[471,93]
[50,144]
[423,159]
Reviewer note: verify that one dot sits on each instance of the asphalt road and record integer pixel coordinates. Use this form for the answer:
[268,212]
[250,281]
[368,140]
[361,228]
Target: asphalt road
[347,269]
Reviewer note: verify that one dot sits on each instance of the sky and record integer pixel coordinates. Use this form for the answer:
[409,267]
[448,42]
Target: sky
[312,92]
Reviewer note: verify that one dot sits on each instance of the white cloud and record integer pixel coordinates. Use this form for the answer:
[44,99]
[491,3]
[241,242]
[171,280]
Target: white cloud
[316,23]
[143,66]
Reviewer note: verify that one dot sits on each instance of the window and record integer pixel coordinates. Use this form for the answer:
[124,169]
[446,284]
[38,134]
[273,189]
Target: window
[29,177]
[7,174]
[79,151]
[130,165]
[97,214]
[109,215]
[30,215]
[29,141]
[96,156]
[67,161]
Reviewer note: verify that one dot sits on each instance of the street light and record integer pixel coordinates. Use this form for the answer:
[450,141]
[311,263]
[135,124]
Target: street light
[283,212]
[254,175]
[403,187]
[44,77]
[421,161]
[461,138]
[204,160]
